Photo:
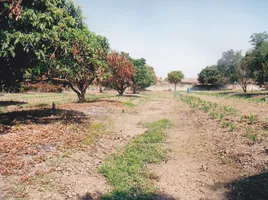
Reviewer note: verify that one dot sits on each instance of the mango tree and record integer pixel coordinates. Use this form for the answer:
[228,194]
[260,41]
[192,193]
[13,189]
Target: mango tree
[175,77]
[27,36]
[143,76]
[210,75]
[77,58]
[121,72]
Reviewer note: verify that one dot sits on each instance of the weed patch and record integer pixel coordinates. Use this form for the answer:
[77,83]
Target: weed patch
[95,130]
[127,172]
[250,134]
[129,104]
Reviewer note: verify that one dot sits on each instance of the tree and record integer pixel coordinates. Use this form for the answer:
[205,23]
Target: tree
[77,58]
[102,74]
[142,79]
[151,69]
[143,76]
[175,77]
[228,64]
[259,62]
[121,72]
[27,36]
[257,39]
[48,41]
[243,72]
[210,75]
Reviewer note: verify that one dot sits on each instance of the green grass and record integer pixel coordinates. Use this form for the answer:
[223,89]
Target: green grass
[127,172]
[252,118]
[250,134]
[233,126]
[255,96]
[129,104]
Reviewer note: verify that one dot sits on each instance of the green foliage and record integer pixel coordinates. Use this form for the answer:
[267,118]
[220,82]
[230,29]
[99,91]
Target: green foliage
[252,118]
[251,97]
[243,71]
[127,172]
[78,56]
[228,64]
[210,75]
[259,62]
[143,77]
[175,77]
[250,134]
[27,40]
[215,110]
[233,127]
[50,40]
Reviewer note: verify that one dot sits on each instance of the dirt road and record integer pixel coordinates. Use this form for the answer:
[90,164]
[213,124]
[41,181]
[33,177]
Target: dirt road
[195,169]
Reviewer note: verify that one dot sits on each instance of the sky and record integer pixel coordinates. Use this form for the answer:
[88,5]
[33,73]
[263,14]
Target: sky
[185,35]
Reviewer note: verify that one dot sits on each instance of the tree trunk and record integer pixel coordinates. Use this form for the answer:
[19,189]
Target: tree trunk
[175,87]
[100,89]
[82,96]
[244,87]
[135,90]
[121,90]
[81,93]
[121,93]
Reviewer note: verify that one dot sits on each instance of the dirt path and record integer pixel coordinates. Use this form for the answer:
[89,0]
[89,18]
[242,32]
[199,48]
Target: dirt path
[195,169]
[244,106]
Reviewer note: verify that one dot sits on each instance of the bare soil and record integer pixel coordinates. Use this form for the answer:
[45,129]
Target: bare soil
[50,160]
[244,106]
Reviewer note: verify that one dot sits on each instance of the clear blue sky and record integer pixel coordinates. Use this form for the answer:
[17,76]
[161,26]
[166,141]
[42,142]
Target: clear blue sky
[175,34]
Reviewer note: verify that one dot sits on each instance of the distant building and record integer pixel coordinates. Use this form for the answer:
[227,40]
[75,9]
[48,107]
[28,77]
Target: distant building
[190,81]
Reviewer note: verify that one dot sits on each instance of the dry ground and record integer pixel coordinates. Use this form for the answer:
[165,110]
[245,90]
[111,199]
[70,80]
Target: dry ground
[243,105]
[46,154]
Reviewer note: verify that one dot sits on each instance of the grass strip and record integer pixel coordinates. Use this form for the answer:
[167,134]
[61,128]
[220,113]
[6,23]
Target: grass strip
[127,172]
[129,104]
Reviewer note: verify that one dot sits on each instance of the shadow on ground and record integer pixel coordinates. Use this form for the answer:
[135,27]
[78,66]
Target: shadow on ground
[11,103]
[249,95]
[248,188]
[126,196]
[40,116]
[103,100]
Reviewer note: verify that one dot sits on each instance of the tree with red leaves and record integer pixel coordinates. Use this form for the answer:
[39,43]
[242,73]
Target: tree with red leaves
[121,72]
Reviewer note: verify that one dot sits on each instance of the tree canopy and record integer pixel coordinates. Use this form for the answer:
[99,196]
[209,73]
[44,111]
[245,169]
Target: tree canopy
[175,77]
[228,64]
[77,58]
[121,72]
[28,38]
[210,75]
[234,67]
[259,62]
[143,77]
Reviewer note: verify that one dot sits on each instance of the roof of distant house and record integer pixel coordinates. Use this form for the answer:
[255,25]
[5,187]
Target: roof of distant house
[190,80]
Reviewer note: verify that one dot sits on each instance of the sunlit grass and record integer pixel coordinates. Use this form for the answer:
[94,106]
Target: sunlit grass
[127,172]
